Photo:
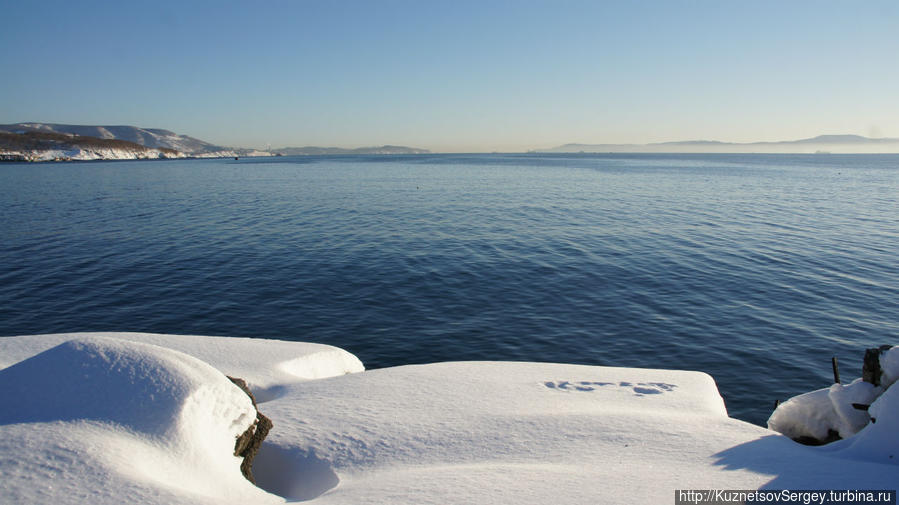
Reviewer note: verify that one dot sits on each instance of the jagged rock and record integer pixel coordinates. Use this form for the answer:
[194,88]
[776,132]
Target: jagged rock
[248,443]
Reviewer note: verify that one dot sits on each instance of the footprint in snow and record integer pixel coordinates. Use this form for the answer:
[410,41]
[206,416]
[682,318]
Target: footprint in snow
[639,389]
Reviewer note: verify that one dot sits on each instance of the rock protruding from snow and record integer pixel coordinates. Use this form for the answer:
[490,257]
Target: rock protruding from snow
[872,371]
[249,442]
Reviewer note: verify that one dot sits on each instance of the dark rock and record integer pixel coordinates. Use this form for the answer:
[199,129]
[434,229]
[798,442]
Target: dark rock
[832,436]
[871,370]
[248,443]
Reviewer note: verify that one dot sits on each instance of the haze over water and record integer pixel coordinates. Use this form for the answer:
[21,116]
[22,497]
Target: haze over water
[753,268]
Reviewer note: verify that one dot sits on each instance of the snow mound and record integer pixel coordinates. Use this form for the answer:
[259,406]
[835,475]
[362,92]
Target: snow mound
[142,412]
[136,385]
[322,364]
[263,364]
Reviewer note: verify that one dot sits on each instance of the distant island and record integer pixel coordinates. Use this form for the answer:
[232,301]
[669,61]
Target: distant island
[819,144]
[64,142]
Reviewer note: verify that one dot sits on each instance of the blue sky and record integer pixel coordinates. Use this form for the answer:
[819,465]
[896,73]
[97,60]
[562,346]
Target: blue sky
[456,75]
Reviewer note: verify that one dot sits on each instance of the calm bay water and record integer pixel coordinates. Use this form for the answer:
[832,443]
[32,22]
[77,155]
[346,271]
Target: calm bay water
[753,268]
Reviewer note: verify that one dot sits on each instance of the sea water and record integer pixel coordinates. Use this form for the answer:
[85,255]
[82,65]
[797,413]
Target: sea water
[754,268]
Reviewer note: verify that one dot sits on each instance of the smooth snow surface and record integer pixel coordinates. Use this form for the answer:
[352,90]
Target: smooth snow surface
[114,419]
[483,432]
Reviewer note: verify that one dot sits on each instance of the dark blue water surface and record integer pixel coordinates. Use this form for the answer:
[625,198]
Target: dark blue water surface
[753,268]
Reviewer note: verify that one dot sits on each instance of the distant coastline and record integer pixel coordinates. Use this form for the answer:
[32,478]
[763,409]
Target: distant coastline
[33,142]
[36,142]
[844,144]
[321,151]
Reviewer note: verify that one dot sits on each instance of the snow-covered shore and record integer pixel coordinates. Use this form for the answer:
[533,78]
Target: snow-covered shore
[89,154]
[145,418]
[99,154]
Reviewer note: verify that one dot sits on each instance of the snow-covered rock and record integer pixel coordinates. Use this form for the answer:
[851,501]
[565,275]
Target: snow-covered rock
[140,415]
[816,414]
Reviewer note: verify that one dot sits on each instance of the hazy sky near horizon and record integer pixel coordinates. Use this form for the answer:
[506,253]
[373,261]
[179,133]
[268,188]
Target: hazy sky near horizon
[456,75]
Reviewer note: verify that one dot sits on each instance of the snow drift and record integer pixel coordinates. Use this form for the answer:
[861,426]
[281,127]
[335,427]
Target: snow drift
[130,418]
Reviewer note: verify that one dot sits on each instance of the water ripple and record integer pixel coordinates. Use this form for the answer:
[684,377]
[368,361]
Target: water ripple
[756,269]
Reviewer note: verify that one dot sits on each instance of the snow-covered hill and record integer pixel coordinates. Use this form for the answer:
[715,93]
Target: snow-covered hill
[61,142]
[148,137]
[45,146]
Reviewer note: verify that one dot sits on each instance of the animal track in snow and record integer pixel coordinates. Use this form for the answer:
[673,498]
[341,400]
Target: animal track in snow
[639,388]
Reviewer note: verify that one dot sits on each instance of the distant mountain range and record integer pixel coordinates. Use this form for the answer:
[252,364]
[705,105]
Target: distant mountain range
[821,143]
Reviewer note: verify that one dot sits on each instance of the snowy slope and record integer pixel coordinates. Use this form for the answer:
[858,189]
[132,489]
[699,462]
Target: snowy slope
[48,146]
[467,432]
